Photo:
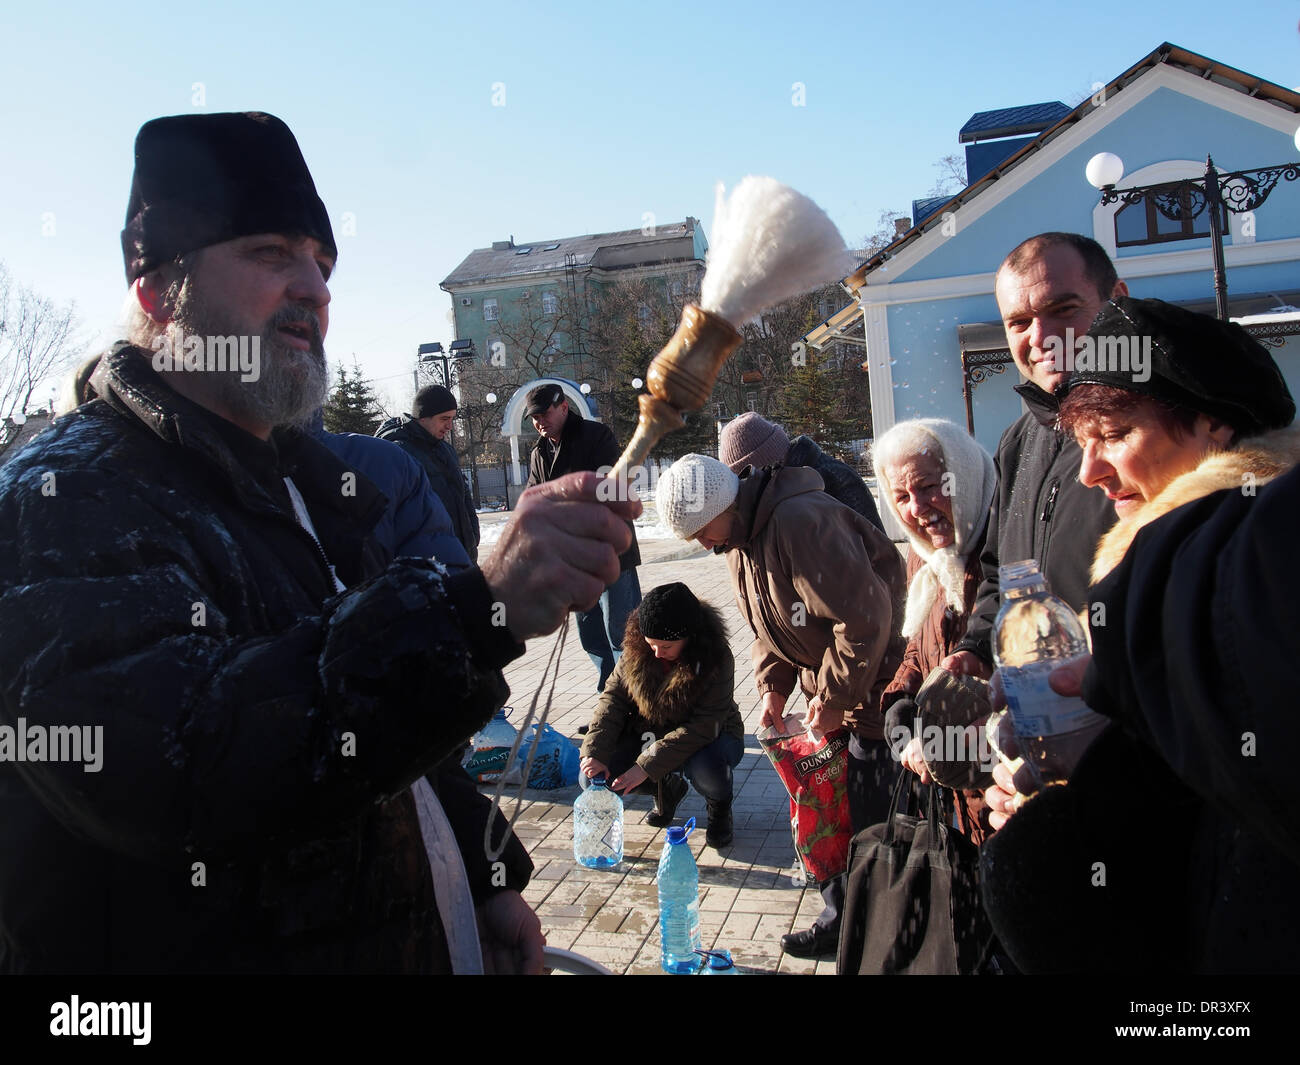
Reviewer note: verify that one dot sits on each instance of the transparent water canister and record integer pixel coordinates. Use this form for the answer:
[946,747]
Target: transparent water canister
[598,826]
[679,903]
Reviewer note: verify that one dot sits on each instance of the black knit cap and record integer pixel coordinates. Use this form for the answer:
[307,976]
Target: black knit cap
[431,400]
[1196,360]
[670,612]
[205,179]
[542,398]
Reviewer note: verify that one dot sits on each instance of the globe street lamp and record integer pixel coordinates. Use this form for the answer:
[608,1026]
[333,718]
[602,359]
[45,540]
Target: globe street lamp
[1182,201]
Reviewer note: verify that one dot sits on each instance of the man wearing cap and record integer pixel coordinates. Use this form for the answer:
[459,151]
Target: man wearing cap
[823,591]
[1049,288]
[424,435]
[193,608]
[570,442]
[752,440]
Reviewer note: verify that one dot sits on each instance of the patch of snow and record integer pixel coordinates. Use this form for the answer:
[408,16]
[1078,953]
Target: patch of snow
[647,527]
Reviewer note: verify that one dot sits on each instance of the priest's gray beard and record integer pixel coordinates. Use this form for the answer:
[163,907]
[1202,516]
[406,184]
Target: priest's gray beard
[291,385]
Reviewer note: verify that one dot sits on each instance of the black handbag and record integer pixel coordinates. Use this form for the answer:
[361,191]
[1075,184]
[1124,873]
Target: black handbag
[912,902]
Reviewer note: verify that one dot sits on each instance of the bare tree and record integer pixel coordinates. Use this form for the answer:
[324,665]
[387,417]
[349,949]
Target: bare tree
[630,322]
[38,342]
[536,333]
[951,176]
[886,232]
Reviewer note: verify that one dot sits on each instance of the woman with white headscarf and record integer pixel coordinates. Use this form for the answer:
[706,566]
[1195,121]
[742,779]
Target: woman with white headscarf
[939,483]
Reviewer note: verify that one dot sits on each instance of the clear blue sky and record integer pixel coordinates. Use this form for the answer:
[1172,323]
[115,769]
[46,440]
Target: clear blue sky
[611,110]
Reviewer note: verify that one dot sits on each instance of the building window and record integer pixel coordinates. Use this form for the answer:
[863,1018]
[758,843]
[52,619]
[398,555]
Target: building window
[489,310]
[550,303]
[1144,223]
[751,400]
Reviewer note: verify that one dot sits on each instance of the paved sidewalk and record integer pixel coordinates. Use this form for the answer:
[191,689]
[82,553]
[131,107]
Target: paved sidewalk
[748,899]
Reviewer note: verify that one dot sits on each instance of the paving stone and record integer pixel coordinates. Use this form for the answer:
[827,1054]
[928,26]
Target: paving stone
[797,966]
[740,925]
[757,901]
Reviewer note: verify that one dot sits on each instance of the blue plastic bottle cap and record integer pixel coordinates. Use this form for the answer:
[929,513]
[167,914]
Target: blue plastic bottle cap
[677,834]
[598,780]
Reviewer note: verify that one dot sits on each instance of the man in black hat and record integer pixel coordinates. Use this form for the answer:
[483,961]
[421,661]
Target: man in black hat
[425,435]
[240,688]
[570,442]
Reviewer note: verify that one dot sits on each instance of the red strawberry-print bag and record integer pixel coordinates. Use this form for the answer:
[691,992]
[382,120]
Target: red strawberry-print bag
[814,768]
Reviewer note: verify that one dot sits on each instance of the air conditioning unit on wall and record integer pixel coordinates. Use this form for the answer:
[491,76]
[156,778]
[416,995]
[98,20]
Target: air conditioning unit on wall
[465,301]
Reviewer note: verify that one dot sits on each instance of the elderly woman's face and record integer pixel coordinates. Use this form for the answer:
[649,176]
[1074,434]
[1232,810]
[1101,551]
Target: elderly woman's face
[920,499]
[1132,456]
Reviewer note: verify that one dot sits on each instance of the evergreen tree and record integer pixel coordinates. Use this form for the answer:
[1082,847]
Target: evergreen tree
[815,401]
[352,406]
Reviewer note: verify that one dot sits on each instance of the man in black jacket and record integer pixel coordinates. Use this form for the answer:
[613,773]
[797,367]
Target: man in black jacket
[1049,289]
[214,695]
[570,442]
[423,435]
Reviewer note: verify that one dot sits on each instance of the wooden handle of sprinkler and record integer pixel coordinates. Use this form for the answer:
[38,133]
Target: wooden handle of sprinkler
[680,378]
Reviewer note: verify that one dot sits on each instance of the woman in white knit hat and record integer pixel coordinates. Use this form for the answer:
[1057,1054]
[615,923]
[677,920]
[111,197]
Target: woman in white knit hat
[822,589]
[939,483]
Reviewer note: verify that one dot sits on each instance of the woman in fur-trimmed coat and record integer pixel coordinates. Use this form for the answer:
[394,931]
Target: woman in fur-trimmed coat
[668,708]
[1193,650]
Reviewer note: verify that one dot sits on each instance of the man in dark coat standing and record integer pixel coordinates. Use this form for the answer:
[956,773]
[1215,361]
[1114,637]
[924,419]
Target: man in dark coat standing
[570,442]
[217,702]
[1049,289]
[423,434]
[415,524]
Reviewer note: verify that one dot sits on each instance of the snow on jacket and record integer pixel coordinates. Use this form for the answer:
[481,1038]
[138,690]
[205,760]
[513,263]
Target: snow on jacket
[823,590]
[438,460]
[252,811]
[415,524]
[584,445]
[1040,511]
[686,708]
[1193,652]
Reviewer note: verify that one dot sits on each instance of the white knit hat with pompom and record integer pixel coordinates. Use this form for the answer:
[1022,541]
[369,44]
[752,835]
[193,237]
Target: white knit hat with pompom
[692,492]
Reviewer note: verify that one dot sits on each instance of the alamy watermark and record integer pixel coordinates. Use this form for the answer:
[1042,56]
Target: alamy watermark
[56,743]
[213,354]
[946,743]
[102,1018]
[1106,354]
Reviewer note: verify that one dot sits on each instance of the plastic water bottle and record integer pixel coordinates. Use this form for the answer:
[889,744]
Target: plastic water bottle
[489,750]
[598,826]
[679,903]
[1035,633]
